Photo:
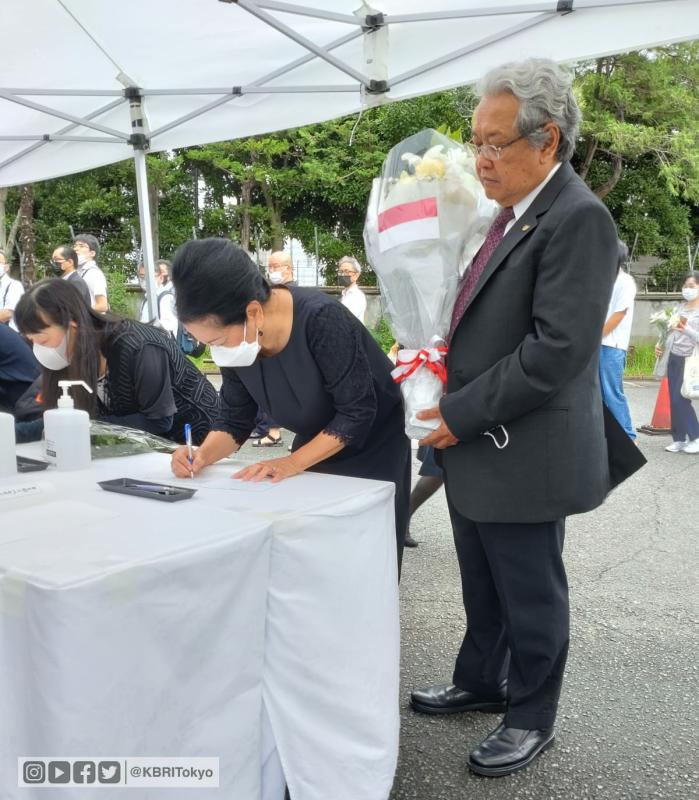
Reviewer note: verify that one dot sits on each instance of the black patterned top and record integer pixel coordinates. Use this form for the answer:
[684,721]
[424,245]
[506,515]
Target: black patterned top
[331,377]
[148,374]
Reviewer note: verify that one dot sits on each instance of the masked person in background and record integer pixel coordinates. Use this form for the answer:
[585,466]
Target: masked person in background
[280,269]
[302,358]
[10,292]
[87,248]
[140,377]
[64,262]
[167,314]
[348,271]
[681,342]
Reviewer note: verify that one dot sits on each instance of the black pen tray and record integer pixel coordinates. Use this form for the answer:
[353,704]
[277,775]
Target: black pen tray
[168,493]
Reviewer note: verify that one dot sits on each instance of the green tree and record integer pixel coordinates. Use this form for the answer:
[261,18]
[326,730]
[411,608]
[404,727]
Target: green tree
[638,105]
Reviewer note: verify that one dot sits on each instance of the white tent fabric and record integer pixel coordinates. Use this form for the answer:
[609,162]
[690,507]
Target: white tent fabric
[76,57]
[85,83]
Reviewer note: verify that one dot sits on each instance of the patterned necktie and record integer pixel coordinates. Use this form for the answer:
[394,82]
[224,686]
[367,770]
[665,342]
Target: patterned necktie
[471,276]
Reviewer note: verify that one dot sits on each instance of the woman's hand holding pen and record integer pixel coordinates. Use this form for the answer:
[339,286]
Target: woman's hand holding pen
[181,465]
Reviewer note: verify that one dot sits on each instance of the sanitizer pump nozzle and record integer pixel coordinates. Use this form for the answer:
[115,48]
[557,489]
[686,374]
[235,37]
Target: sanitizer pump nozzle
[65,400]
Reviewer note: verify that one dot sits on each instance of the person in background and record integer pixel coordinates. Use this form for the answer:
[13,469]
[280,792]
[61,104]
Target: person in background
[87,248]
[280,269]
[353,298]
[305,360]
[681,342]
[430,481]
[140,377]
[10,292]
[64,263]
[18,368]
[167,313]
[616,335]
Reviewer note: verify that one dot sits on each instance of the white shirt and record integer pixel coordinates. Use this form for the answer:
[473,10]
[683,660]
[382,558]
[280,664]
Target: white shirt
[355,300]
[623,296]
[10,292]
[94,278]
[525,202]
[166,310]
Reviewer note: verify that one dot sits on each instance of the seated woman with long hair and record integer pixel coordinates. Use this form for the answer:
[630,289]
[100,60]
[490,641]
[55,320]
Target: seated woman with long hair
[139,376]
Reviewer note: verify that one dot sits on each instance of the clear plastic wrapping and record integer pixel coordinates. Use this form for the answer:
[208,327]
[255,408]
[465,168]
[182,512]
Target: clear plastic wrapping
[427,217]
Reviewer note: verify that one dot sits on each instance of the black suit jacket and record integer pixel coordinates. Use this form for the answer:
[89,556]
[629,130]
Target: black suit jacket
[525,356]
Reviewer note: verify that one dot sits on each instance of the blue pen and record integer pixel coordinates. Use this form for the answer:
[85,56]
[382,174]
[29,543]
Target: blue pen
[188,441]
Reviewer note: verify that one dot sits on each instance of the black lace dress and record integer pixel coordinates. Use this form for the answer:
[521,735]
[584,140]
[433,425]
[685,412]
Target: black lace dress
[330,377]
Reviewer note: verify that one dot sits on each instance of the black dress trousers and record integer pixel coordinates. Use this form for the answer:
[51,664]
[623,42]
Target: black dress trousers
[515,594]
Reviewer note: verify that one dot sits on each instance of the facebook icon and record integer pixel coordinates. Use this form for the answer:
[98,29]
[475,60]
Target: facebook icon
[84,772]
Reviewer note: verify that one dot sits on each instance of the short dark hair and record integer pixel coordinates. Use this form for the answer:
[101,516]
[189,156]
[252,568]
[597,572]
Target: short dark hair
[89,240]
[215,278]
[69,254]
[622,254]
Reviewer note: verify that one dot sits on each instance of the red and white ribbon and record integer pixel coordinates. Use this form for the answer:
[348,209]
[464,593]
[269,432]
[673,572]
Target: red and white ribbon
[409,361]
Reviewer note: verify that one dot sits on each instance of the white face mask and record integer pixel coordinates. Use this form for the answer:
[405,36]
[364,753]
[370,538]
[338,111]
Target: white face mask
[690,293]
[276,277]
[54,358]
[142,283]
[82,259]
[4,268]
[242,355]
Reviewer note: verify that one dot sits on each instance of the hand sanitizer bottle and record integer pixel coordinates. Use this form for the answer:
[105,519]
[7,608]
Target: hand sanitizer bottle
[8,458]
[67,432]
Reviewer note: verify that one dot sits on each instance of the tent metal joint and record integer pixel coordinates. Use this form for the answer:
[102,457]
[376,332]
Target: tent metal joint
[377,87]
[133,92]
[139,141]
[372,22]
[564,6]
[237,91]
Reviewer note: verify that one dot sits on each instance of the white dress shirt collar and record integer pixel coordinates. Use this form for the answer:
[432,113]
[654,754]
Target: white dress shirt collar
[525,202]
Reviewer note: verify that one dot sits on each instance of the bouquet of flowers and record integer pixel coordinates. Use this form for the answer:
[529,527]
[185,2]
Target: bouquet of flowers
[108,440]
[427,217]
[664,321]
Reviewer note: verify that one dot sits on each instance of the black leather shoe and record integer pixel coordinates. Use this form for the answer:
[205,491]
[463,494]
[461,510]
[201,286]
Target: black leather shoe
[449,699]
[410,542]
[506,750]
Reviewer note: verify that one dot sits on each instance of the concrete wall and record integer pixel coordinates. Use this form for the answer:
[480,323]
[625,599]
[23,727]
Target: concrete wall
[642,331]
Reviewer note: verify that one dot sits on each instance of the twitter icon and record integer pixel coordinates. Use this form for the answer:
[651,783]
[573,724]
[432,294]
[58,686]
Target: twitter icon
[109,772]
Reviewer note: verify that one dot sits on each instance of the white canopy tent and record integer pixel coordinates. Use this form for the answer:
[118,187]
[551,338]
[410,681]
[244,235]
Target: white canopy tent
[89,82]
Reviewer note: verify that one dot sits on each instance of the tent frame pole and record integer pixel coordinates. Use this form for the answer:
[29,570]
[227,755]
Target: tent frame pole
[140,142]
[148,259]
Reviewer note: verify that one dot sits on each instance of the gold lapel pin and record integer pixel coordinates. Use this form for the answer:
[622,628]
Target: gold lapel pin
[526,227]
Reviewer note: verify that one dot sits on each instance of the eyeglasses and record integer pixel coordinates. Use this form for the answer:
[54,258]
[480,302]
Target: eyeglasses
[346,274]
[490,151]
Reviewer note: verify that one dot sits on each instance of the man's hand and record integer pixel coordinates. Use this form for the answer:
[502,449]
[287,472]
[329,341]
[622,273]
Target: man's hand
[6,314]
[440,438]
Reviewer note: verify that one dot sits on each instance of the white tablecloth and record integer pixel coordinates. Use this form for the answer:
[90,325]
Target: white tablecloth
[256,625]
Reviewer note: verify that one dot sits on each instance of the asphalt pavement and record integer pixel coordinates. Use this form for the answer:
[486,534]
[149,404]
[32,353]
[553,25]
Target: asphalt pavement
[627,724]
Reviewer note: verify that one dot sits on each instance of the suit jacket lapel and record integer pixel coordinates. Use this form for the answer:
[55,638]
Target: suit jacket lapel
[524,225]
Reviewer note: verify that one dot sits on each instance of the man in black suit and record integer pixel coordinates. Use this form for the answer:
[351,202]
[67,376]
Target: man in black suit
[521,424]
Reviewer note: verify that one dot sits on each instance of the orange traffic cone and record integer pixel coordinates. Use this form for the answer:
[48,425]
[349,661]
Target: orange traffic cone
[661,415]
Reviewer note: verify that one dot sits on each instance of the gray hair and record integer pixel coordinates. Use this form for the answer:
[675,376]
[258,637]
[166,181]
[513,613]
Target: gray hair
[356,266]
[545,95]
